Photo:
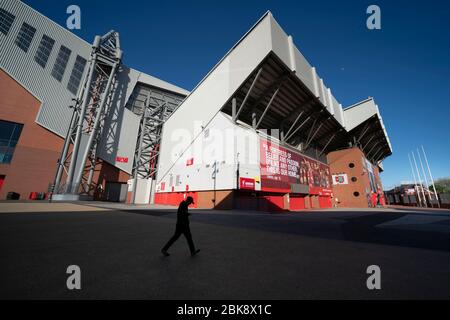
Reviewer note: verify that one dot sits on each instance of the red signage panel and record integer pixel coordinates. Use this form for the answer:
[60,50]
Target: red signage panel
[190,162]
[246,183]
[281,167]
[122,159]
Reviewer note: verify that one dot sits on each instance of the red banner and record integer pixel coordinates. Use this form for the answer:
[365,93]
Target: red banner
[189,162]
[122,159]
[247,183]
[281,167]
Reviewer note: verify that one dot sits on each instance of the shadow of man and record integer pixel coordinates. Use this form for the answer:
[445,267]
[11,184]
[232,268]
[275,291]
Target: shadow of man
[182,227]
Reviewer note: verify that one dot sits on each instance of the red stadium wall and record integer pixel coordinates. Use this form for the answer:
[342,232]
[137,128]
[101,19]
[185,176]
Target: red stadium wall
[352,186]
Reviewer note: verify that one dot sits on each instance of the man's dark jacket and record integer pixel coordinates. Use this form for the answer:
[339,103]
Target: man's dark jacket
[183,215]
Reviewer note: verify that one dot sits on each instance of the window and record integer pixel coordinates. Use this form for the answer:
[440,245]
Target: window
[9,135]
[6,20]
[44,50]
[354,179]
[77,73]
[351,165]
[61,62]
[26,34]
[356,194]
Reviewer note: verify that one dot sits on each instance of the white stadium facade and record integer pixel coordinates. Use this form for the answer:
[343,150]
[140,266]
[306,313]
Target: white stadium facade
[260,131]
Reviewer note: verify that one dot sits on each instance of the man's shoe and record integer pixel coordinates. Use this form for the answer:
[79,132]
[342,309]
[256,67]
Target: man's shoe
[165,253]
[195,252]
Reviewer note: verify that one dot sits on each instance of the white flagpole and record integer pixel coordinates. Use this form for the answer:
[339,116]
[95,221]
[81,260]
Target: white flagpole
[420,179]
[419,202]
[425,177]
[431,176]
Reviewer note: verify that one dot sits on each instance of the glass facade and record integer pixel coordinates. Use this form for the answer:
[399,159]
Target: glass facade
[6,20]
[9,136]
[61,63]
[25,36]
[77,73]
[44,50]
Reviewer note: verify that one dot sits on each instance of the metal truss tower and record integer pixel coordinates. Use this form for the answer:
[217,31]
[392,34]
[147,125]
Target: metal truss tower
[154,113]
[79,154]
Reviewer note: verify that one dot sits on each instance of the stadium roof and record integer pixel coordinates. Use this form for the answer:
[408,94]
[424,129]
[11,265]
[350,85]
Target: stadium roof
[365,124]
[266,82]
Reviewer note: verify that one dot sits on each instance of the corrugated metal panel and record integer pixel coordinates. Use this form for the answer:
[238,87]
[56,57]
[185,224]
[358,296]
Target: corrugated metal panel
[304,71]
[155,82]
[54,113]
[330,106]
[338,113]
[140,93]
[121,125]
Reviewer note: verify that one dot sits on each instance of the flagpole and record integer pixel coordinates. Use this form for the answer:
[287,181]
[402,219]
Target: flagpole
[420,179]
[419,202]
[431,176]
[425,177]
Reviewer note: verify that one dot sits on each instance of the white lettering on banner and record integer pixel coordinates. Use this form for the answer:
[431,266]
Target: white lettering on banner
[280,168]
[279,162]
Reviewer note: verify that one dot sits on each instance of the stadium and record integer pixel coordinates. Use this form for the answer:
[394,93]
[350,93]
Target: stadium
[260,131]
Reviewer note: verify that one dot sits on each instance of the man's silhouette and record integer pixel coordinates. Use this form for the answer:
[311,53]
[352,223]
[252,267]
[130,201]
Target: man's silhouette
[182,228]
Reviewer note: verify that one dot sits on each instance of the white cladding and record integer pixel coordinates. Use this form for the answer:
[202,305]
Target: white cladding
[201,109]
[204,103]
[222,146]
[54,113]
[360,112]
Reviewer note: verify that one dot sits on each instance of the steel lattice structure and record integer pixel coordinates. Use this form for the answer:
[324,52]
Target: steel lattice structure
[156,109]
[91,106]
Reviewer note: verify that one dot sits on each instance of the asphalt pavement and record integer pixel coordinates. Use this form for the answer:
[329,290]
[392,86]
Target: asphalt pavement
[244,255]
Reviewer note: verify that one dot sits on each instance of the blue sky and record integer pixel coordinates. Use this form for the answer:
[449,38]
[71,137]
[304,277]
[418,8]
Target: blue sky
[405,66]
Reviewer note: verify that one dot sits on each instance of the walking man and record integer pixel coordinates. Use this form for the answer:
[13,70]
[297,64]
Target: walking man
[182,228]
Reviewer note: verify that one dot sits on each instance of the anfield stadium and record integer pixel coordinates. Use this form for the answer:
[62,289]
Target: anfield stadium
[260,131]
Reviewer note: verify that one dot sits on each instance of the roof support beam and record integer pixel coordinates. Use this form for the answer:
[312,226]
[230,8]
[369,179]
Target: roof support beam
[298,128]
[371,149]
[365,146]
[329,141]
[303,105]
[294,123]
[267,107]
[311,130]
[310,114]
[312,137]
[248,94]
[378,156]
[378,153]
[277,83]
[381,159]
[366,128]
[327,133]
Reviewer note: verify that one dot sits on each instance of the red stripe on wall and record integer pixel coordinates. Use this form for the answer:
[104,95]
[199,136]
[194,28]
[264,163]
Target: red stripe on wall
[174,198]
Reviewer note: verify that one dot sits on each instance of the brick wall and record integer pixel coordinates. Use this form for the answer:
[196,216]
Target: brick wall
[34,161]
[351,162]
[33,165]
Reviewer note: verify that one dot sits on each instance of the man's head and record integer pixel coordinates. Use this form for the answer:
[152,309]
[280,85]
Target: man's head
[189,200]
